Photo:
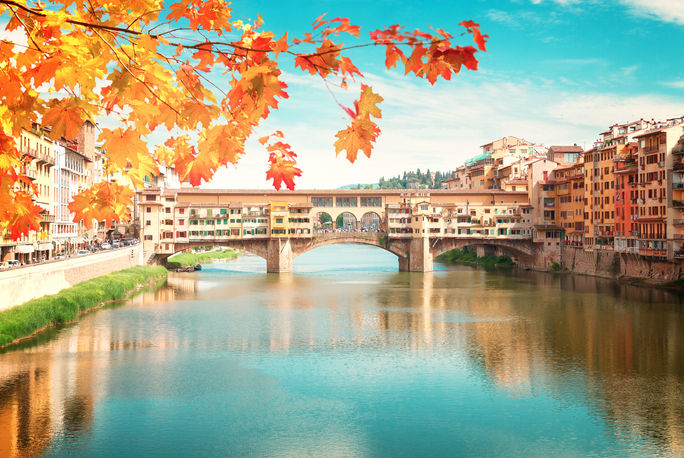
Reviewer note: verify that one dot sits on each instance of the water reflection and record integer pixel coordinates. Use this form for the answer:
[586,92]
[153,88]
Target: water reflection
[307,347]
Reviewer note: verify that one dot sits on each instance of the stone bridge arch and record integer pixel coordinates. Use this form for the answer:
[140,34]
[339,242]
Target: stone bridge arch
[301,246]
[522,251]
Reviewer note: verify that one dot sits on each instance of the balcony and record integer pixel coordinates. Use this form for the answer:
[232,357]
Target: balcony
[45,158]
[677,204]
[678,222]
[29,152]
[29,173]
[48,218]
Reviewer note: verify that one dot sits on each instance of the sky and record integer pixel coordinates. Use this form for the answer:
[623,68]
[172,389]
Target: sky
[555,72]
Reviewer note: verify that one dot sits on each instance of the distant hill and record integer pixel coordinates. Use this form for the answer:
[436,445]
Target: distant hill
[407,180]
[360,186]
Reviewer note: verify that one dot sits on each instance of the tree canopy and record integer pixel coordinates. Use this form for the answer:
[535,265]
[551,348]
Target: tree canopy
[154,66]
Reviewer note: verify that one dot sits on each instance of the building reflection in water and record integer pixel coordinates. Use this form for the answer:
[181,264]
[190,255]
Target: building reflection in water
[617,346]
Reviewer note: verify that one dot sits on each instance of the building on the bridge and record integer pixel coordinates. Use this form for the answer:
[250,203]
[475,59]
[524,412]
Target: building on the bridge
[175,219]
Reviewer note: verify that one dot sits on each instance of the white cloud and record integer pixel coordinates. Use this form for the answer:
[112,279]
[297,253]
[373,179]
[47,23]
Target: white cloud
[664,10]
[674,84]
[439,127]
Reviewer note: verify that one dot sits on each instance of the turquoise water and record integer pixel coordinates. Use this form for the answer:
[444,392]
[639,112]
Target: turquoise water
[348,357]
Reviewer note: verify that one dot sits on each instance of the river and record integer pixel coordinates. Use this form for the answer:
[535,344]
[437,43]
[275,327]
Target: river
[349,357]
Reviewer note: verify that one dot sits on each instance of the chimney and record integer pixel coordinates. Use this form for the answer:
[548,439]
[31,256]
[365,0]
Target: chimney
[546,175]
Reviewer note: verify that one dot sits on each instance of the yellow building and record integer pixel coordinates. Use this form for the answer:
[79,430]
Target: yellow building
[37,150]
[279,218]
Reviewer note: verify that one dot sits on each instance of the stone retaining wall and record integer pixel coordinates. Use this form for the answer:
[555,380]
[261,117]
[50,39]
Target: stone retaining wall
[22,284]
[608,264]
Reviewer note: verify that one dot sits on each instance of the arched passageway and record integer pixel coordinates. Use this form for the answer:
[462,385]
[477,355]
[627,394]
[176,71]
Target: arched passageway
[346,221]
[371,222]
[323,222]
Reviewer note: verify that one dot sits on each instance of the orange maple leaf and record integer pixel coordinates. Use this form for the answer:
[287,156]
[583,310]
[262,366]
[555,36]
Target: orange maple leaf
[359,136]
[65,117]
[104,201]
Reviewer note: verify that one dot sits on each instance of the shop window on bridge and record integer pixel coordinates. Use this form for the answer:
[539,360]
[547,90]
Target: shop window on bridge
[223,211]
[209,213]
[322,201]
[279,220]
[371,201]
[346,202]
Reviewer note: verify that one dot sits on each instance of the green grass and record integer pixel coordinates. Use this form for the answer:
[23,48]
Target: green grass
[466,256]
[23,320]
[191,259]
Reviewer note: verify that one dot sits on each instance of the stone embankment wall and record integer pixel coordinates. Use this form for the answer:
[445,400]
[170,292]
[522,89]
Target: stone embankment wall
[608,264]
[22,284]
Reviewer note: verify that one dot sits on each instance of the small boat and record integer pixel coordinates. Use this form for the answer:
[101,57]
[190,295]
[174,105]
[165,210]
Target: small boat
[189,268]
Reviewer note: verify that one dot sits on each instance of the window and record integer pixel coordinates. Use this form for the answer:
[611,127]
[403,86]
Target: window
[148,237]
[346,202]
[322,201]
[371,201]
[224,211]
[148,209]
[148,223]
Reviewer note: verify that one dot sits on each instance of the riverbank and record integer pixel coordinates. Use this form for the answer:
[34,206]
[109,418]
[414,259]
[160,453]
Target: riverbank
[26,320]
[469,257]
[192,259]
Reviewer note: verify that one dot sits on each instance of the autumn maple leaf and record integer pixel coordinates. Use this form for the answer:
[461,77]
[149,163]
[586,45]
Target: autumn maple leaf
[104,201]
[362,132]
[25,215]
[282,161]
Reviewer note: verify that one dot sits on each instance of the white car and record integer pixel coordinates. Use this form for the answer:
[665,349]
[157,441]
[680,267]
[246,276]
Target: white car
[106,246]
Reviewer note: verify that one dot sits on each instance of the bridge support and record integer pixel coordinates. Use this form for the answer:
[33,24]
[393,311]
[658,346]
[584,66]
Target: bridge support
[419,257]
[279,258]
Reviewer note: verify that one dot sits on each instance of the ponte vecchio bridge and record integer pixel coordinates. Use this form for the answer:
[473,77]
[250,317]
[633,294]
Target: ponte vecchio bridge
[415,225]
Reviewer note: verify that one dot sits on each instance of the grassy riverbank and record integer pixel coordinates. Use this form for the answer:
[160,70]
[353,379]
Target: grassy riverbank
[192,259]
[466,256]
[65,306]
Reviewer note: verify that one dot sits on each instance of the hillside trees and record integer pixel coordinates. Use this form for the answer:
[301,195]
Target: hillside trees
[158,67]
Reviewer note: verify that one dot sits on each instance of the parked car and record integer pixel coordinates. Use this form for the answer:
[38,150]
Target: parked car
[82,252]
[116,244]
[58,257]
[13,263]
[106,246]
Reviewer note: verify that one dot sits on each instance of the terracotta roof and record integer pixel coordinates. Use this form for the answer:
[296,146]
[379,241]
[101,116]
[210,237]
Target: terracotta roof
[565,149]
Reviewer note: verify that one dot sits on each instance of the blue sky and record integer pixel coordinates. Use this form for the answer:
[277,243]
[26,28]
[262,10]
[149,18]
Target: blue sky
[556,72]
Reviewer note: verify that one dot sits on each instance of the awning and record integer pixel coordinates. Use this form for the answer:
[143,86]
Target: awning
[24,249]
[44,246]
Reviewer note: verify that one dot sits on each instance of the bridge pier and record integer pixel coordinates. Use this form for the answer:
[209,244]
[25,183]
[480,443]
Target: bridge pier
[419,257]
[279,258]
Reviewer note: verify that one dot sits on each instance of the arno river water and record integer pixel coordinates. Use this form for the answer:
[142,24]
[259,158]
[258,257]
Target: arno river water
[347,356]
